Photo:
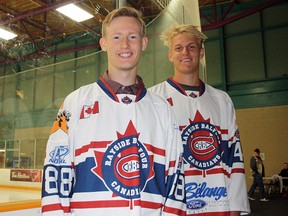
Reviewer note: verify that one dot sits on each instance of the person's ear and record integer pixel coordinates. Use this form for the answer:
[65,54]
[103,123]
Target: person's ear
[170,56]
[102,43]
[202,52]
[144,43]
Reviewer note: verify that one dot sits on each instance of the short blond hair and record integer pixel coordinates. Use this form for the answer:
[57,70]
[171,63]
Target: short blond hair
[123,12]
[186,29]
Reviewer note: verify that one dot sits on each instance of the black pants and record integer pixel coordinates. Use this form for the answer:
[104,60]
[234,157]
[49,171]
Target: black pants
[257,182]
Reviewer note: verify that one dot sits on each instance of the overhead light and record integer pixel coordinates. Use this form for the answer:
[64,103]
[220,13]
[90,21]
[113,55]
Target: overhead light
[74,12]
[6,35]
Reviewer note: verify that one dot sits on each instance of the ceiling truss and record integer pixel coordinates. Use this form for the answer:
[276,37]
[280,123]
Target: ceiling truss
[42,28]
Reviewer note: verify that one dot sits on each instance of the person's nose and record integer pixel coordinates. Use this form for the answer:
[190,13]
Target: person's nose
[185,51]
[125,42]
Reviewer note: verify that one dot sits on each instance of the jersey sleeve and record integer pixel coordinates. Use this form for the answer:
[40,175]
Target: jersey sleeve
[58,172]
[174,203]
[237,191]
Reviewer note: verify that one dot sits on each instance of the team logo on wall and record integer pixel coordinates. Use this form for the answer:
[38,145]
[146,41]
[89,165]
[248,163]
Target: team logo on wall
[122,164]
[202,143]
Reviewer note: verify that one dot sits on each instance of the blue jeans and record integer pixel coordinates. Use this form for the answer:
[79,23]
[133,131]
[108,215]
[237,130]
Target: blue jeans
[257,182]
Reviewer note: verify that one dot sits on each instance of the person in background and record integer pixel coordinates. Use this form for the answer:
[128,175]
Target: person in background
[258,172]
[114,147]
[284,173]
[213,171]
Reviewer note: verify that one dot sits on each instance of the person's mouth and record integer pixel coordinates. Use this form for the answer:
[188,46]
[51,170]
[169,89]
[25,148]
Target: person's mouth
[125,55]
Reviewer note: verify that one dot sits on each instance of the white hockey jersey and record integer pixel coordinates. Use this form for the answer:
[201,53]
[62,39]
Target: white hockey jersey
[111,154]
[213,160]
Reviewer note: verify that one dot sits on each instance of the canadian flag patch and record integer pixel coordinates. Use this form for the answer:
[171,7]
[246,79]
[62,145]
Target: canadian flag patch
[88,110]
[170,101]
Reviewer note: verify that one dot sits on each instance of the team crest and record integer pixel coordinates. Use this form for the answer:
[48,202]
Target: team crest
[122,164]
[202,143]
[126,100]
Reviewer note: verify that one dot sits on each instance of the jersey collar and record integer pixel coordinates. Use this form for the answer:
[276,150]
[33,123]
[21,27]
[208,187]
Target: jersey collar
[178,87]
[109,91]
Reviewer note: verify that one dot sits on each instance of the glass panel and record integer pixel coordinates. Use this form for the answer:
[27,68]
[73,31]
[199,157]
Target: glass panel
[43,88]
[26,88]
[27,154]
[12,154]
[2,154]
[9,95]
[40,152]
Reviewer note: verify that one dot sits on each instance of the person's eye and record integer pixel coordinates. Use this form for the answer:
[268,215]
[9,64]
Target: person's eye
[192,46]
[115,37]
[179,48]
[133,37]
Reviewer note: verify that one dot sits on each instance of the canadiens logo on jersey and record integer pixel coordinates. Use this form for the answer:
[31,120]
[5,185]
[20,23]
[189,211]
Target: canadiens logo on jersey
[202,143]
[122,164]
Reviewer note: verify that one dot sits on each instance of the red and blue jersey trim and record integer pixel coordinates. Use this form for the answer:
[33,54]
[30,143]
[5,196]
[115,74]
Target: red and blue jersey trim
[108,90]
[178,87]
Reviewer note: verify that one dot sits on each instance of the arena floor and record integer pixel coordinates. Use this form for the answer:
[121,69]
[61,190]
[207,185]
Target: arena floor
[276,206]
